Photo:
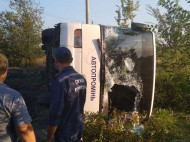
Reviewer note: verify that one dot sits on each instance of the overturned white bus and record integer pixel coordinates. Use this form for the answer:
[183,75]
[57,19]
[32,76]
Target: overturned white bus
[118,63]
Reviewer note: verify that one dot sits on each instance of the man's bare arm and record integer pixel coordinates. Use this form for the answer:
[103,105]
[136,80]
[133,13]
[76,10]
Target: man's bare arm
[26,133]
[50,132]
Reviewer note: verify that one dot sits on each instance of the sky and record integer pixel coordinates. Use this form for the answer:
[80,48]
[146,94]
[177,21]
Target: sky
[101,11]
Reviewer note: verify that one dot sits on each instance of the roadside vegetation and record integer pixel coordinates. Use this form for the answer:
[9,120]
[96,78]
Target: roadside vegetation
[20,32]
[163,126]
[20,39]
[173,56]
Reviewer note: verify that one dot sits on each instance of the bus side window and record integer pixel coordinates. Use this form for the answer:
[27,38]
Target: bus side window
[78,38]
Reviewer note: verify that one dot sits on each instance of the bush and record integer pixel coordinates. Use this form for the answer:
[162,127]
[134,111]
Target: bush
[173,92]
[101,128]
[173,79]
[160,127]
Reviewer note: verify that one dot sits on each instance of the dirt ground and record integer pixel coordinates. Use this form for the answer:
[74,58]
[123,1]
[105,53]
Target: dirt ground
[33,88]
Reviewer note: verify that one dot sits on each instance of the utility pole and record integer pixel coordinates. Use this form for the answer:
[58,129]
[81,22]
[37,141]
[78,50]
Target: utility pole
[87,11]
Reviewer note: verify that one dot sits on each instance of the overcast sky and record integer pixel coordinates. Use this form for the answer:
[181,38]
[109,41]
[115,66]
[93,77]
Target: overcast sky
[101,11]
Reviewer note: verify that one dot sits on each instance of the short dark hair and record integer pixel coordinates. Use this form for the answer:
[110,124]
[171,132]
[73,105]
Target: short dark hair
[3,63]
[63,55]
[65,60]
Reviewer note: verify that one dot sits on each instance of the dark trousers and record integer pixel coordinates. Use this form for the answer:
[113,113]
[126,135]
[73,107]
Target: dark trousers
[74,138]
[65,139]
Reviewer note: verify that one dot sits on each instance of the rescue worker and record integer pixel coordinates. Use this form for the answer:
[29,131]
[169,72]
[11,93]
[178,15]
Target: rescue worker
[67,99]
[13,112]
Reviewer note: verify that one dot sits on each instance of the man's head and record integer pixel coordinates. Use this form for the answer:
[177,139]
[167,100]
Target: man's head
[63,58]
[3,67]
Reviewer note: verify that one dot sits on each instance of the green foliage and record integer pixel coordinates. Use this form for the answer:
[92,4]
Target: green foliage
[183,127]
[173,79]
[20,32]
[173,56]
[99,128]
[125,12]
[160,127]
[173,94]
[173,28]
[93,126]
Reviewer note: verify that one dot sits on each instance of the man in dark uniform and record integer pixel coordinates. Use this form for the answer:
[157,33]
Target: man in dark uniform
[68,95]
[14,115]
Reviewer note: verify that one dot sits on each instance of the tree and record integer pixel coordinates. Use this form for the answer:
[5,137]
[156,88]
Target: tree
[173,28]
[125,12]
[173,55]
[173,32]
[20,31]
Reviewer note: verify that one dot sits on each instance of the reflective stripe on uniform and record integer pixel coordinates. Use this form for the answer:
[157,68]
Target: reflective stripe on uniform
[65,77]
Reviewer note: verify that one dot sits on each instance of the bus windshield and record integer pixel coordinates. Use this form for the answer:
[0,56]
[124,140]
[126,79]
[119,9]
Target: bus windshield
[129,65]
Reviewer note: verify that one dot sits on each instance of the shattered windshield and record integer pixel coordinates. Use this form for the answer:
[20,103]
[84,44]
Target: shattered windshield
[125,55]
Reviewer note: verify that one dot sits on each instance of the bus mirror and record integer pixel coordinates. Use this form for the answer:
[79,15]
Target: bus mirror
[47,36]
